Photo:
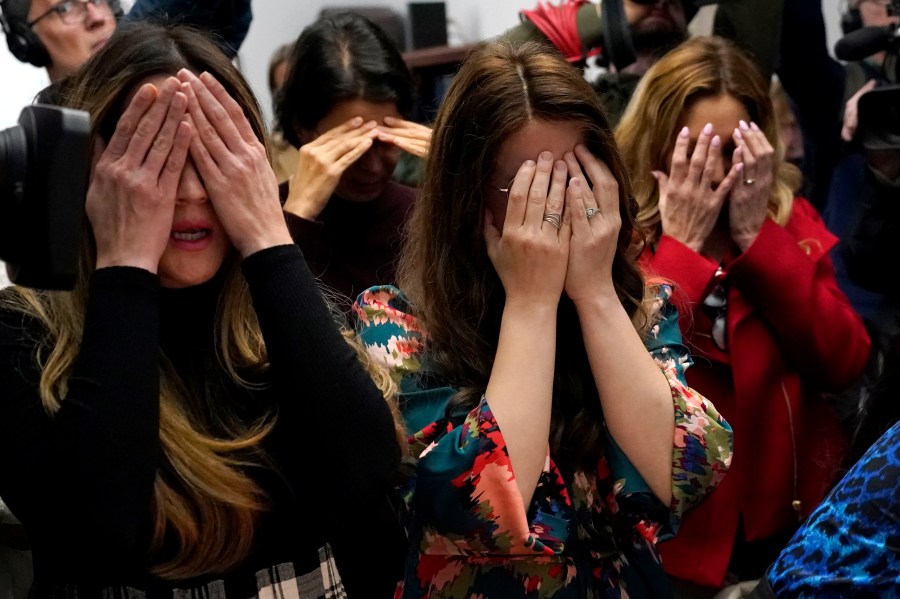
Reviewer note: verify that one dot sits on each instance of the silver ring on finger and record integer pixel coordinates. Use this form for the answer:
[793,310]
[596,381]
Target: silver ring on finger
[749,181]
[591,213]
[554,218]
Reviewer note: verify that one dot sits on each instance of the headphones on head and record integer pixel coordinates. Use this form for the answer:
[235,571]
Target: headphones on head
[22,41]
[850,17]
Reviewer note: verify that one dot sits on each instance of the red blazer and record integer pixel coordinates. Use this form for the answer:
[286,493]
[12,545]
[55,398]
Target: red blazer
[791,335]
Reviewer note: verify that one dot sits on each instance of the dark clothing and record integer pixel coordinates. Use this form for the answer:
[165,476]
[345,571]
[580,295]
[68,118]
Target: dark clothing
[354,245]
[82,481]
[226,20]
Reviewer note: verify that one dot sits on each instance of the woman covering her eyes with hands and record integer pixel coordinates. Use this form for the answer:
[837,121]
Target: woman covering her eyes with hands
[553,440]
[344,105]
[188,419]
[751,270]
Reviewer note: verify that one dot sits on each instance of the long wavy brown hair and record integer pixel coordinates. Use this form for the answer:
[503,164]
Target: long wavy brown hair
[206,504]
[702,67]
[444,267]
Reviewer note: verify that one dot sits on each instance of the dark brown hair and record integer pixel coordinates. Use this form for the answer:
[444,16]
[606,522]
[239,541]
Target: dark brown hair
[445,269]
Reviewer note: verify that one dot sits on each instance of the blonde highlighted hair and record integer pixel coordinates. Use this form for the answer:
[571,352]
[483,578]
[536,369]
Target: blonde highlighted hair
[203,487]
[703,67]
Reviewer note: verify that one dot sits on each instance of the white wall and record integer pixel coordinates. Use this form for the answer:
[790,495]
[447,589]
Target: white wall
[279,21]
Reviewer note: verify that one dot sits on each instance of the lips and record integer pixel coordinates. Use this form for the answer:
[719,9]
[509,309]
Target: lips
[191,236]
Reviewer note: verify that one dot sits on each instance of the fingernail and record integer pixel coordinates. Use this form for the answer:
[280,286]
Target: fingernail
[738,135]
[147,90]
[560,166]
[716,141]
[708,129]
[575,182]
[529,163]
[389,119]
[685,132]
[744,126]
[545,156]
[753,126]
[357,120]
[739,167]
[655,174]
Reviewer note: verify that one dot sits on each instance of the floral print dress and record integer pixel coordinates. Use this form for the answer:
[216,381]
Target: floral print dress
[586,534]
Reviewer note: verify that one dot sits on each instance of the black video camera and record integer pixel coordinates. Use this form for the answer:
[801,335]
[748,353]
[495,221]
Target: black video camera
[43,178]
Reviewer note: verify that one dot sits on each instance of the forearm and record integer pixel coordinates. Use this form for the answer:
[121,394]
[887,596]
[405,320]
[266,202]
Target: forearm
[520,388]
[324,389]
[634,393]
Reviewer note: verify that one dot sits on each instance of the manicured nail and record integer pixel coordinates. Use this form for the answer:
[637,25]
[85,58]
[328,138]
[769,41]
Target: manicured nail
[753,126]
[744,126]
[716,141]
[739,167]
[655,174]
[708,129]
[357,121]
[738,135]
[685,132]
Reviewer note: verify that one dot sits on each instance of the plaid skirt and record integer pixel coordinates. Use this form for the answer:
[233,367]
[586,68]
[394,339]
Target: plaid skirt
[277,582]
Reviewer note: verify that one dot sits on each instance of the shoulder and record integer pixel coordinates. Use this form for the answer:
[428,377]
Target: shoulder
[808,228]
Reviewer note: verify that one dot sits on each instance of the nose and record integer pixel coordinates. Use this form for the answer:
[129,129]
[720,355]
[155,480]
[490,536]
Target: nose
[190,187]
[96,14]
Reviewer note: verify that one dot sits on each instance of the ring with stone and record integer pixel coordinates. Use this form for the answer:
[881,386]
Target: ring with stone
[749,181]
[591,213]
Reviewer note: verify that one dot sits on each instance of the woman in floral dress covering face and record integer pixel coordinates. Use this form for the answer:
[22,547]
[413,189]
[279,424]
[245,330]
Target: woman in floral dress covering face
[553,440]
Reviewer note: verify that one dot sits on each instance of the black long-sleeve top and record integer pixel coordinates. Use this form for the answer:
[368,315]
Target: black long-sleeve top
[81,481]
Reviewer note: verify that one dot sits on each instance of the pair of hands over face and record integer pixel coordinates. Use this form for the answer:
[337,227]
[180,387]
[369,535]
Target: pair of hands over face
[692,194]
[134,188]
[324,160]
[536,260]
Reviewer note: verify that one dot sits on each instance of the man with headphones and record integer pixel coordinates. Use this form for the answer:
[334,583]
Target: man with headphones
[60,35]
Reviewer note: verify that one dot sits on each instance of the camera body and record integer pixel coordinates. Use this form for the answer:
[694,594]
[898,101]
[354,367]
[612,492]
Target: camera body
[43,180]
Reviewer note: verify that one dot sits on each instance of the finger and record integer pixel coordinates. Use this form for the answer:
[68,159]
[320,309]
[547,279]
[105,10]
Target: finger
[334,147]
[713,162]
[537,195]
[581,227]
[556,197]
[235,113]
[575,170]
[215,114]
[518,195]
[351,156]
[176,159]
[747,156]
[204,162]
[758,142]
[605,193]
[407,129]
[734,177]
[698,157]
[662,181]
[150,123]
[345,127]
[205,132]
[411,146]
[162,145]
[128,122]
[679,167]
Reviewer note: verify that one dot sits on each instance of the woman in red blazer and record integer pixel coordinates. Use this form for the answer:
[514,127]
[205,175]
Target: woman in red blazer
[768,327]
